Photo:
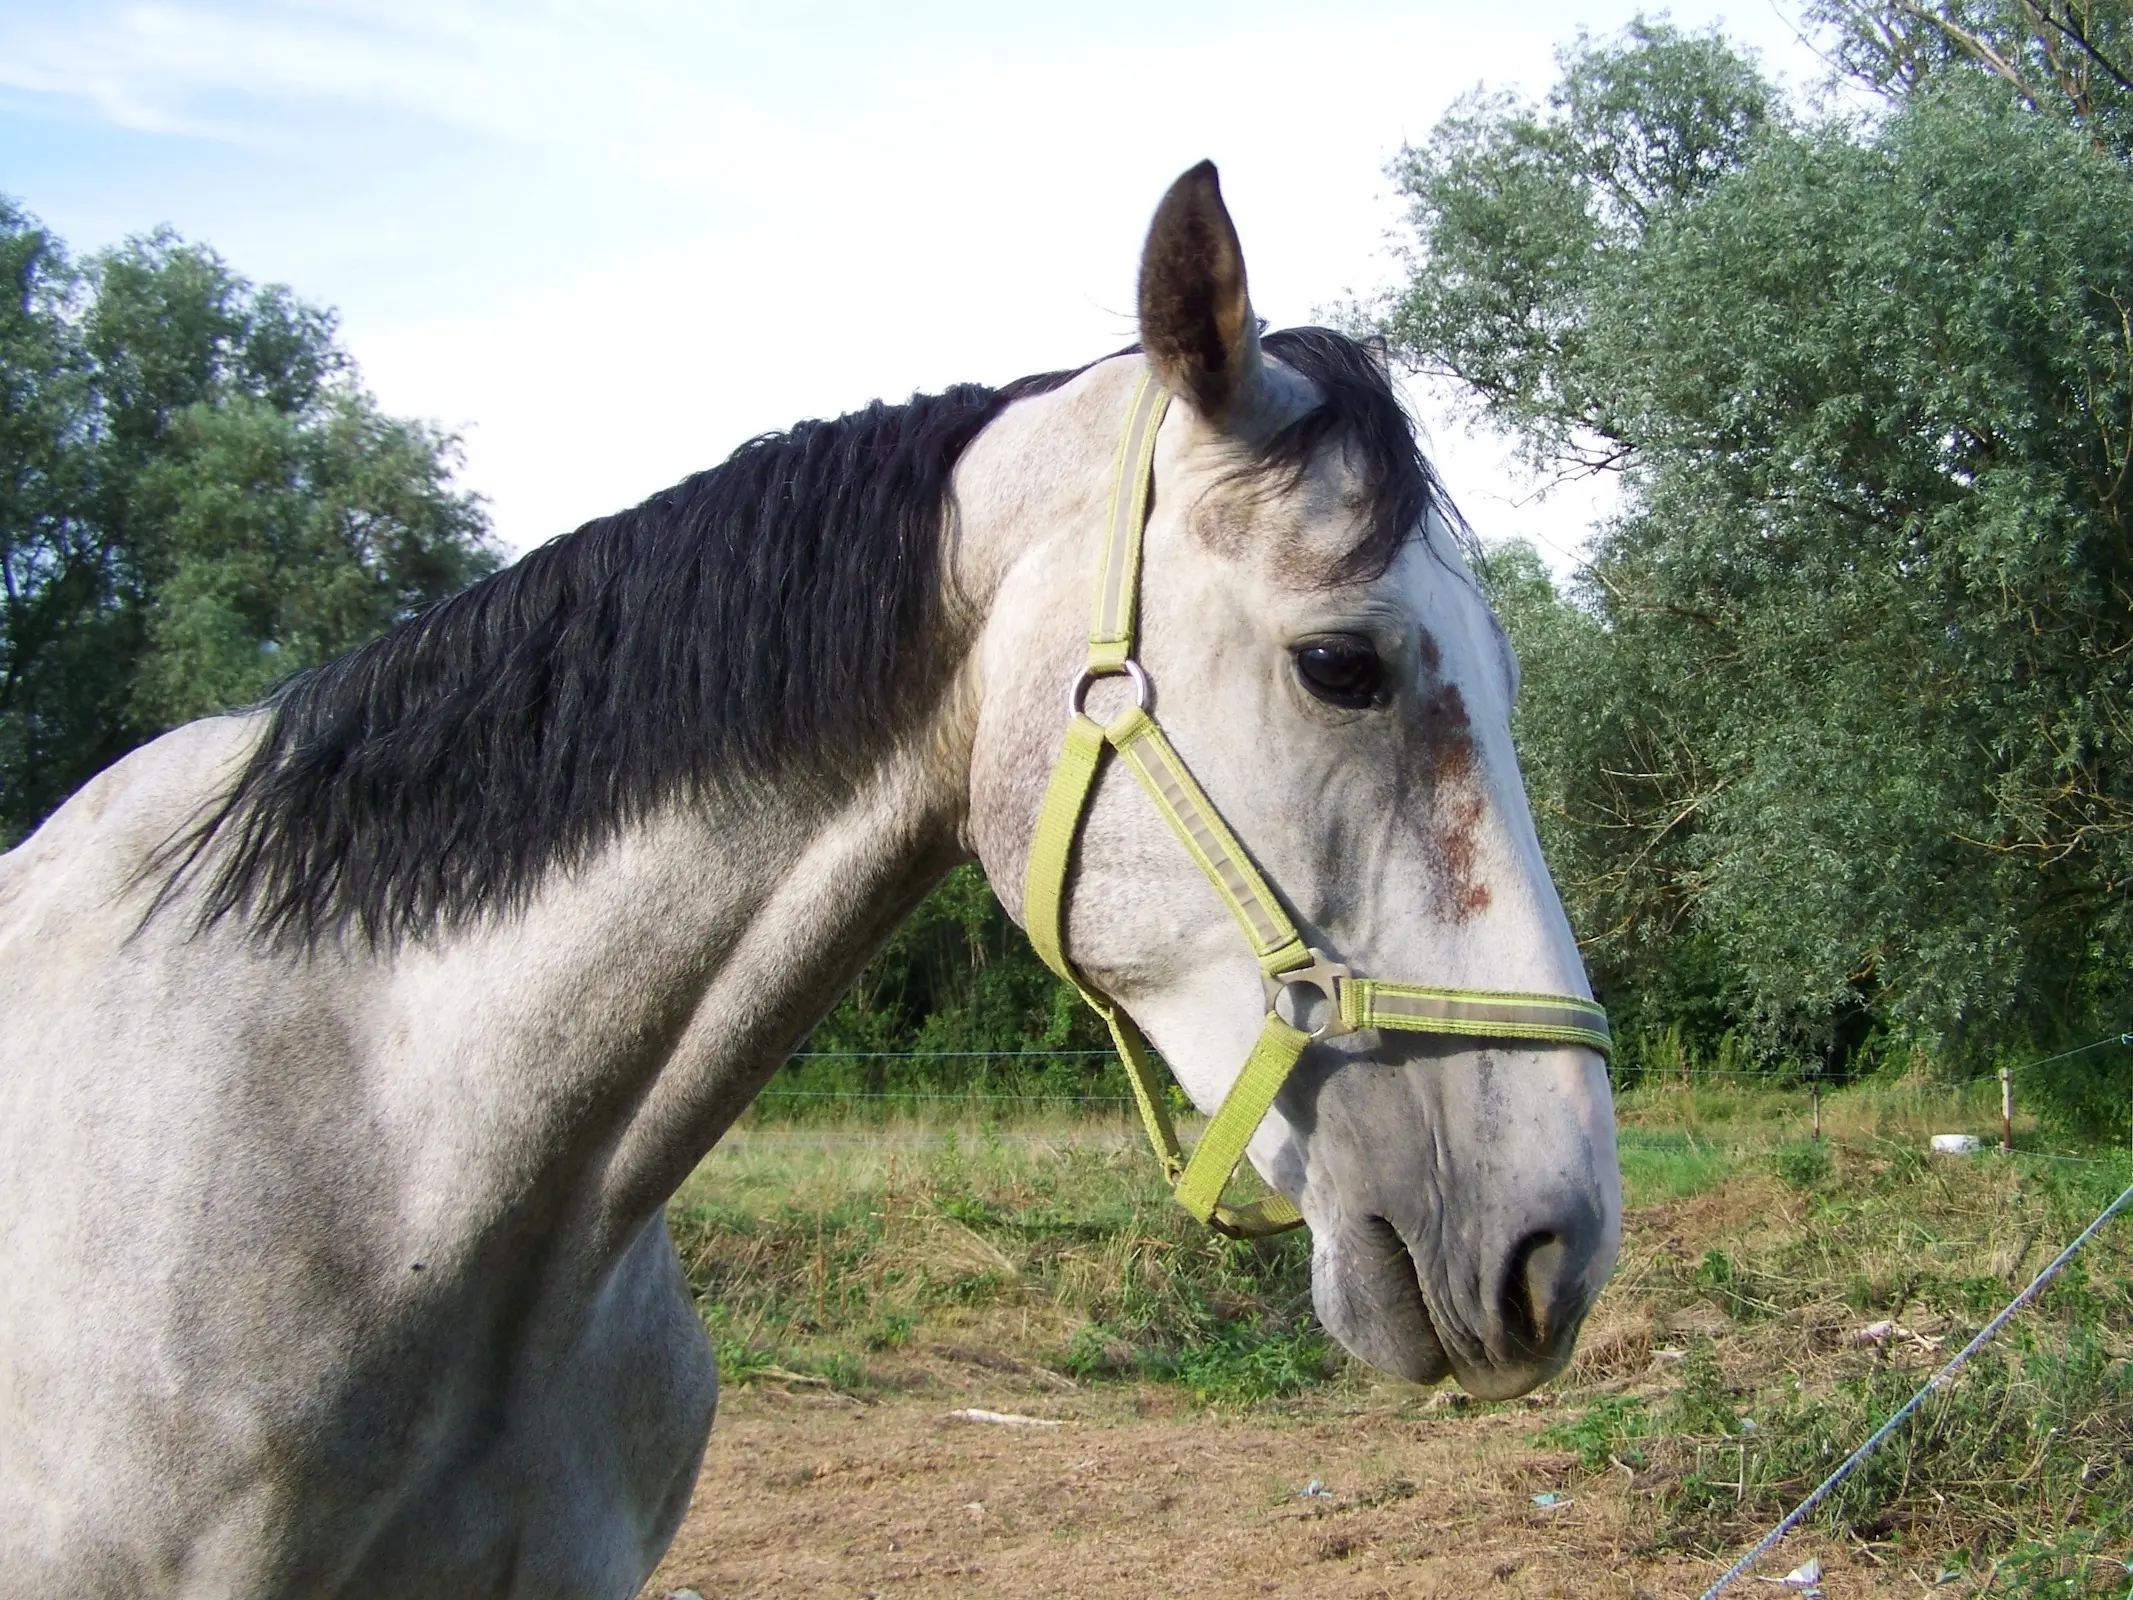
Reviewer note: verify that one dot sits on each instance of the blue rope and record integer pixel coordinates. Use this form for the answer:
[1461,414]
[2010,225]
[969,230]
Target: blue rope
[1939,1380]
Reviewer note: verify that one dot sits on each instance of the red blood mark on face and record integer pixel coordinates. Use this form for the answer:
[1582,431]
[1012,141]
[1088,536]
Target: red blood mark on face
[1432,657]
[1448,748]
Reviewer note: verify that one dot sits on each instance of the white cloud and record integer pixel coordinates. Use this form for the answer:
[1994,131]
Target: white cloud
[612,241]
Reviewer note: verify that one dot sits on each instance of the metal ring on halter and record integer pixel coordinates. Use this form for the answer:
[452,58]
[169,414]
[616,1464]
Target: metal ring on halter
[1324,974]
[1143,691]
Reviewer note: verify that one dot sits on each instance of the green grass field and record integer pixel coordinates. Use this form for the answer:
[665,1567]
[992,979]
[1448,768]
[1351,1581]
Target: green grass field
[1726,1368]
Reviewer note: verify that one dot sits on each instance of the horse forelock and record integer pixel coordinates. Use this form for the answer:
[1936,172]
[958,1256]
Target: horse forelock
[773,618]
[1359,410]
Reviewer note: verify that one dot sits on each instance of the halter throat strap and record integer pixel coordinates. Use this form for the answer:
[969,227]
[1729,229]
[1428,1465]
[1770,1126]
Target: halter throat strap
[1344,1003]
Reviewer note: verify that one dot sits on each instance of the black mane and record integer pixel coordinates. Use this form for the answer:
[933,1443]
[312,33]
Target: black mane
[772,614]
[1360,408]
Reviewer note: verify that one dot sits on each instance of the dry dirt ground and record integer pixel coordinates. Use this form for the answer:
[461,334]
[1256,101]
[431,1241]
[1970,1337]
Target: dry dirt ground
[810,1493]
[1360,1487]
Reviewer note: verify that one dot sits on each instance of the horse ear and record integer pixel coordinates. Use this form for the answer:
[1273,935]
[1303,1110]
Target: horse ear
[1196,315]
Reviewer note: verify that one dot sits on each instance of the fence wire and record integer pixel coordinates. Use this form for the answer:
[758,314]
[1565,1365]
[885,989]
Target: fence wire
[1058,1097]
[1940,1380]
[1796,1077]
[945,1055]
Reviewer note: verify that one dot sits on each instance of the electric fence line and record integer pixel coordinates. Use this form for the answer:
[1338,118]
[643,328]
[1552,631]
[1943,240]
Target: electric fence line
[1940,1380]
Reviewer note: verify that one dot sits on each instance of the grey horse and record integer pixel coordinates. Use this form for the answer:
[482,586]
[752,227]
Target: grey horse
[351,1045]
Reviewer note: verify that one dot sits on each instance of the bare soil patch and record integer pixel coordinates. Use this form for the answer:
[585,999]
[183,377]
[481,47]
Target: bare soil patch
[809,1493]
[1774,1299]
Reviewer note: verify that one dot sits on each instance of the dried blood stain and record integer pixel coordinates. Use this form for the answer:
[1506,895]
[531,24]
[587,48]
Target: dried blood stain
[1448,743]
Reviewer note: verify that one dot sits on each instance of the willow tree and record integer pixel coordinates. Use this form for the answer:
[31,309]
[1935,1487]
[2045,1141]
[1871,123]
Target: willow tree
[1831,735]
[197,497]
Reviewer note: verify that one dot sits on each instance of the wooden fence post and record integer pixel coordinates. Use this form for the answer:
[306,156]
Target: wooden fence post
[2006,1111]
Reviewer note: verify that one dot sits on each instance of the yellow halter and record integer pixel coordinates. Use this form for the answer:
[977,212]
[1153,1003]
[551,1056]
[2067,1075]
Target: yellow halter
[1347,1003]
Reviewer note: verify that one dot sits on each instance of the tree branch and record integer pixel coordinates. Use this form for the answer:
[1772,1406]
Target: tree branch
[2081,38]
[1974,47]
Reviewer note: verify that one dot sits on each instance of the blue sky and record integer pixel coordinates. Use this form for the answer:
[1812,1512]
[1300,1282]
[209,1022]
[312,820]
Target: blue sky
[607,243]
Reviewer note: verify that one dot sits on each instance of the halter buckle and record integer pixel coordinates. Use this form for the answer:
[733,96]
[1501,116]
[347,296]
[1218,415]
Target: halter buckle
[1324,974]
[1130,669]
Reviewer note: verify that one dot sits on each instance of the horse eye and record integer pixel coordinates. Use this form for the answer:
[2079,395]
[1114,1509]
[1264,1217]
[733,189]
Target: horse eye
[1341,672]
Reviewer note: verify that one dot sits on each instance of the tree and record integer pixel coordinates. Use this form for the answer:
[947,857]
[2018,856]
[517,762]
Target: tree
[1831,736]
[200,498]
[61,694]
[1521,217]
[2071,59]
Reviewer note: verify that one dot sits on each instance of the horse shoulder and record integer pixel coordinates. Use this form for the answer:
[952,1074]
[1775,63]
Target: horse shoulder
[96,853]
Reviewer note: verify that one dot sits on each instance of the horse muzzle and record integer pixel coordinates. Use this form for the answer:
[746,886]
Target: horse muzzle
[1477,1247]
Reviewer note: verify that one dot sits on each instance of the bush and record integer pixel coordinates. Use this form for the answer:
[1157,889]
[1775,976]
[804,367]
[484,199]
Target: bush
[2088,1096]
[1803,1163]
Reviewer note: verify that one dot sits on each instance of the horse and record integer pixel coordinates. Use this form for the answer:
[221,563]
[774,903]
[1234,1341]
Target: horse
[353,1042]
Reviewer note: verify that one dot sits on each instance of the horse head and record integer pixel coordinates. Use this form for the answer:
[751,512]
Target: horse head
[1326,672]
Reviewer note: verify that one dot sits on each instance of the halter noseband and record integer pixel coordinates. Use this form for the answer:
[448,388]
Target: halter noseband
[1346,1003]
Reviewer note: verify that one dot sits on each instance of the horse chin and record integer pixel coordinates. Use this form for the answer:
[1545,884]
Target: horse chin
[1368,1295]
[1508,1382]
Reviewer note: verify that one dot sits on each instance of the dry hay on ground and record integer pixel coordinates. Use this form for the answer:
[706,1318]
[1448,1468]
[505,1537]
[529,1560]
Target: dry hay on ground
[1723,1372]
[806,1493]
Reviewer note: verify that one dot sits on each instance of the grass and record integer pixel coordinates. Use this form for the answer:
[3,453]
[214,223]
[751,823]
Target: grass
[1724,1370]
[1667,1164]
[1053,1240]
[2017,1480]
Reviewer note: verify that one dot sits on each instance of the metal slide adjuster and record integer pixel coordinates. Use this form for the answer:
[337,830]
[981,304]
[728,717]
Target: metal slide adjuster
[1143,691]
[1323,975]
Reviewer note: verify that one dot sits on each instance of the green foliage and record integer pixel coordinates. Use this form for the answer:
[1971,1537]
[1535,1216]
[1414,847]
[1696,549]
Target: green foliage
[2067,59]
[1734,1289]
[1704,1402]
[199,499]
[2045,1425]
[2085,1095]
[955,1003]
[1827,745]
[1667,1164]
[1602,1433]
[2020,1465]
[1804,1163]
[1523,215]
[1237,1363]
[2069,1565]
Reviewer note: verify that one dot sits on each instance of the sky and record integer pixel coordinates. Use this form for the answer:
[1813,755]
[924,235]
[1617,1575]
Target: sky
[607,243]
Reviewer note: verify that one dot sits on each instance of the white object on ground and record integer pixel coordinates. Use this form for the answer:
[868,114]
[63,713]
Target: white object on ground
[1006,1419]
[1883,1331]
[1955,1144]
[1807,1575]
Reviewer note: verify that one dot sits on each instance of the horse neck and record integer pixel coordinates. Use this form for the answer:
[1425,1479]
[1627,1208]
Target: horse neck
[648,997]
[680,966]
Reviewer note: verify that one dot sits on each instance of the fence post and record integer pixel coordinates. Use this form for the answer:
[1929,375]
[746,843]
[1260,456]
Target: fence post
[2006,1111]
[1815,1087]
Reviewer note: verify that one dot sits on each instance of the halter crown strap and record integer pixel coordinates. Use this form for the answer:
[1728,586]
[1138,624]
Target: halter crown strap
[1285,962]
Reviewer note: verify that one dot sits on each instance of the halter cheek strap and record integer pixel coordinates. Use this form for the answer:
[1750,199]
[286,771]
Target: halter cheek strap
[1347,1004]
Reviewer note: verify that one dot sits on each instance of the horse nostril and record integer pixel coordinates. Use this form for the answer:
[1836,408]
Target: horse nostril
[1538,1281]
